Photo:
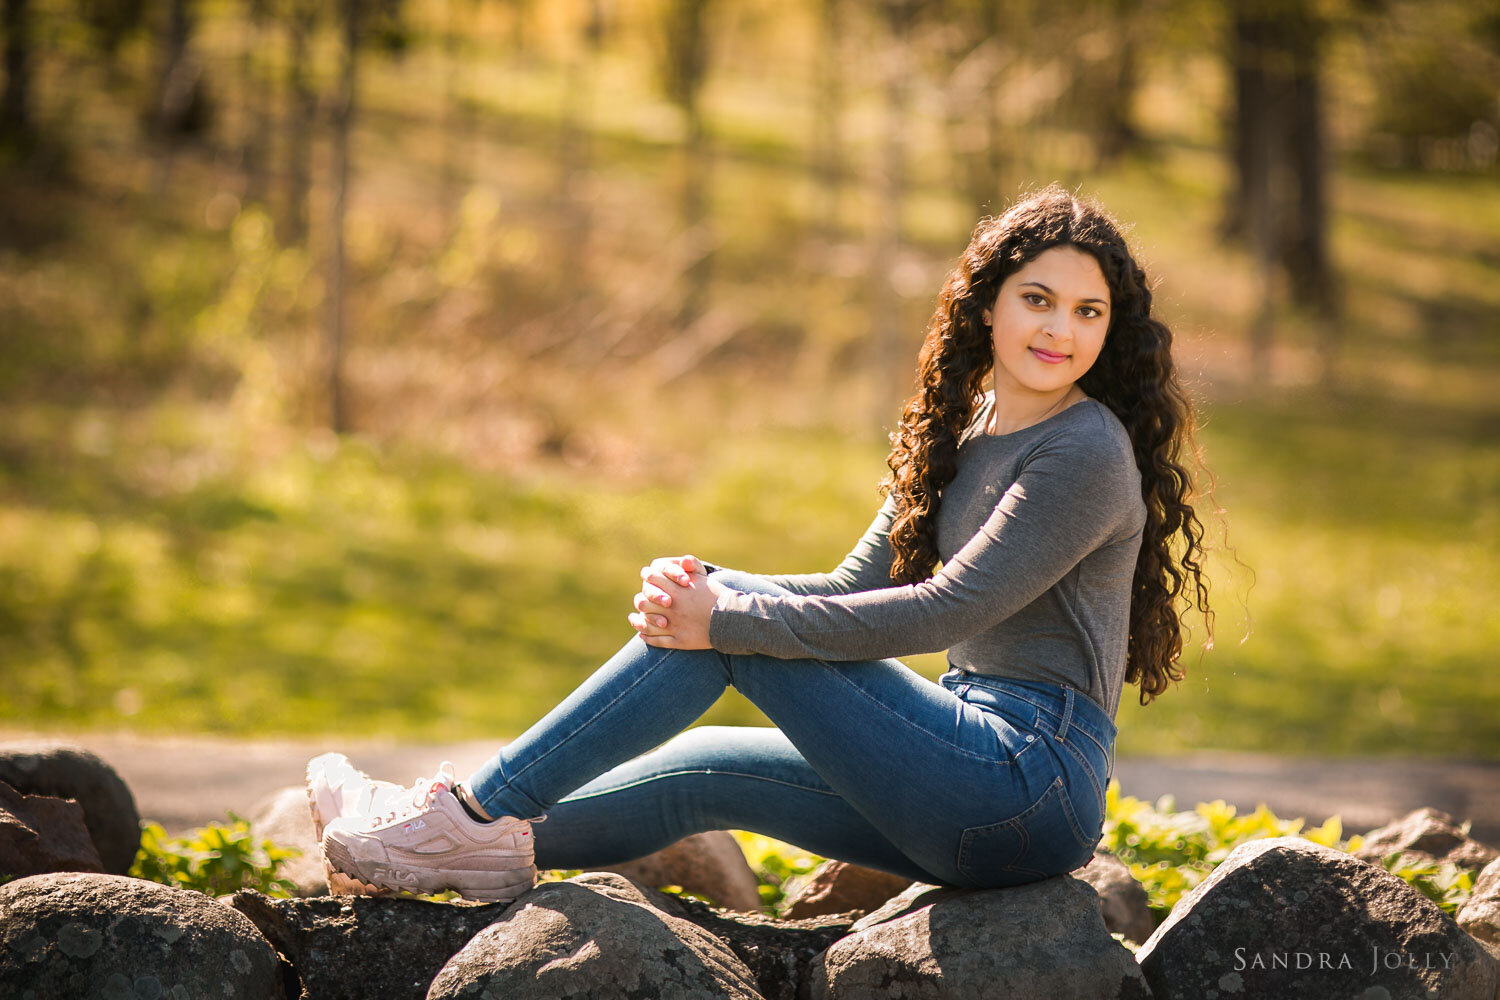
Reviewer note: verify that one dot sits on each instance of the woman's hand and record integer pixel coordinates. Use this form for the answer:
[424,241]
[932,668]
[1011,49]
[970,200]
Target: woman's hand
[681,585]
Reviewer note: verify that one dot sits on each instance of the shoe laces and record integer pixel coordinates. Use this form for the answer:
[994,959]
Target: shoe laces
[419,799]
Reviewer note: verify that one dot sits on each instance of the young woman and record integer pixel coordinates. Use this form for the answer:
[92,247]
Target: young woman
[1053,503]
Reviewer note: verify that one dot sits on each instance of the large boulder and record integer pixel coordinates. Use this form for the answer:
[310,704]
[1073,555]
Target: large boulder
[1126,907]
[1042,939]
[283,818]
[77,935]
[65,771]
[597,935]
[1480,914]
[40,834]
[1428,834]
[361,947]
[1284,917]
[839,887]
[710,864]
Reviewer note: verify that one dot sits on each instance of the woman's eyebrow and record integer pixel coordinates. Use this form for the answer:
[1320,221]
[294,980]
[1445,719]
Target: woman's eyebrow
[1051,292]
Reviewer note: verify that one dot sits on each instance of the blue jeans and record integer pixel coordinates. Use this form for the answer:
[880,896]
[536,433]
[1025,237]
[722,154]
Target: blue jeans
[975,781]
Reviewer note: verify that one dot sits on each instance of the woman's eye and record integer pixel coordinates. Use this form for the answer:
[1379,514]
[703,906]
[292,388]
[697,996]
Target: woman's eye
[1038,300]
[1090,311]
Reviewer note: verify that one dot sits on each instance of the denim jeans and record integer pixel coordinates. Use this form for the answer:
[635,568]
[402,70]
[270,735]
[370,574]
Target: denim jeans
[975,781]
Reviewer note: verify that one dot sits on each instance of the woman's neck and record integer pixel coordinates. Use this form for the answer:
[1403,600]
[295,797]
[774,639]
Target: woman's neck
[1010,414]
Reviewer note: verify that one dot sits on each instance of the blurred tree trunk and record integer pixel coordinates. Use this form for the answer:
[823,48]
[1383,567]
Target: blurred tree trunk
[575,151]
[885,303]
[15,104]
[343,120]
[111,21]
[686,67]
[1278,204]
[177,89]
[301,20]
[457,123]
[827,144]
[1115,133]
[257,121]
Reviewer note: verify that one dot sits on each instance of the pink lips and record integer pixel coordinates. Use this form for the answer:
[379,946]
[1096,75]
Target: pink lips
[1048,356]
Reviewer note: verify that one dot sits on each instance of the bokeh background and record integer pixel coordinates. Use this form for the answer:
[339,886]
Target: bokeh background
[355,355]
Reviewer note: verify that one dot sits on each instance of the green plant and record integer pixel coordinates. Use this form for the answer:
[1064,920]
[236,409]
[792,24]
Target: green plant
[216,859]
[1170,852]
[1446,884]
[777,866]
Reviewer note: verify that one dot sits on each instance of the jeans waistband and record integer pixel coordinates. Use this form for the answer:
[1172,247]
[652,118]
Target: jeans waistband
[1068,707]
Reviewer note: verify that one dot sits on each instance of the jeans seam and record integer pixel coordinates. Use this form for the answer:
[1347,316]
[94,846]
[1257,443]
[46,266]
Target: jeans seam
[699,770]
[903,719]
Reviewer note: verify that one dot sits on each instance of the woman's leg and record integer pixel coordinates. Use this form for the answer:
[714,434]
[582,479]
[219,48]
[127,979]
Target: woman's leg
[916,761]
[712,778]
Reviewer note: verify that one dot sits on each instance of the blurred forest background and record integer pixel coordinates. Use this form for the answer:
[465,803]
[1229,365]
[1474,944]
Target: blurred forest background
[354,355]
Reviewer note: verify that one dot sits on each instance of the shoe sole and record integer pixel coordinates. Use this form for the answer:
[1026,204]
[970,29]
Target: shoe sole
[387,879]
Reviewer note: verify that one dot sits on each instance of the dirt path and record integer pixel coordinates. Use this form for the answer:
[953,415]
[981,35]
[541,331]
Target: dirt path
[186,782]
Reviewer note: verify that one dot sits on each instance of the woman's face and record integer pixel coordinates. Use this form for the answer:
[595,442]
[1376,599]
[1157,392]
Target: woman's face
[1048,322]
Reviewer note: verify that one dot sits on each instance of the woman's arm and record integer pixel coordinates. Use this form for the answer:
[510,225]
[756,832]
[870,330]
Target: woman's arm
[866,567]
[1074,495]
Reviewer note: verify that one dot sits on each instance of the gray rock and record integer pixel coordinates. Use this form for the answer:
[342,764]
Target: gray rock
[1480,914]
[779,952]
[40,834]
[710,864]
[839,887]
[1044,939]
[74,935]
[1127,910]
[361,947]
[597,935]
[65,771]
[1428,833]
[1284,917]
[283,819]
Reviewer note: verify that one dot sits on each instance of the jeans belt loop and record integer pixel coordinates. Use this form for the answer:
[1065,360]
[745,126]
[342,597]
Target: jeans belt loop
[1062,730]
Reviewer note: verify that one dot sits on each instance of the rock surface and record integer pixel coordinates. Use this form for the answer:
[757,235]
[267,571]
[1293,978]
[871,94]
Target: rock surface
[779,952]
[283,818]
[597,935]
[65,771]
[1480,915]
[1044,939]
[710,864]
[1127,909]
[360,947]
[1284,917]
[838,887]
[74,935]
[40,834]
[1429,833]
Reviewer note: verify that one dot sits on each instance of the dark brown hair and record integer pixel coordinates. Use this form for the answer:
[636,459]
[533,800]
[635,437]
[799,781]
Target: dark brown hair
[1134,376]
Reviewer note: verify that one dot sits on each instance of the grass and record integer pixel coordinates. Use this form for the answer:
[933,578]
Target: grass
[336,586]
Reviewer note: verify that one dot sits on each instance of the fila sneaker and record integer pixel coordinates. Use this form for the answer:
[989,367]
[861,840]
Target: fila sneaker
[423,841]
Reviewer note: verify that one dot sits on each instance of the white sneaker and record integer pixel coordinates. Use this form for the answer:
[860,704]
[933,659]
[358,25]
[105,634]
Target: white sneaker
[337,788]
[424,842]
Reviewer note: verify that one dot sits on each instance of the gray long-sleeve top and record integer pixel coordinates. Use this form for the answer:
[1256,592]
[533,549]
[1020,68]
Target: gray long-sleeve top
[1038,534]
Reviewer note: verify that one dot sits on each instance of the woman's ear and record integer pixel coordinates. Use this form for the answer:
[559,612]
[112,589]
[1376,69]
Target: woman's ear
[985,316]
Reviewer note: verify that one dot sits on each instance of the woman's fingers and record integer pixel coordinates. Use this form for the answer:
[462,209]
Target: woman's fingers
[646,609]
[669,568]
[655,595]
[647,625]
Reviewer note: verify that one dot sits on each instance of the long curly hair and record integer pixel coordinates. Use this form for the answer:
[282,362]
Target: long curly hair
[1134,376]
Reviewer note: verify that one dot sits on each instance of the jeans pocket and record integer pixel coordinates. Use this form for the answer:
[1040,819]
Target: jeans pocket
[1045,839]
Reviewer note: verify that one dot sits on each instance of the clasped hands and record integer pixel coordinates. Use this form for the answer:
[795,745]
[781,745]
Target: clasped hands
[674,603]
